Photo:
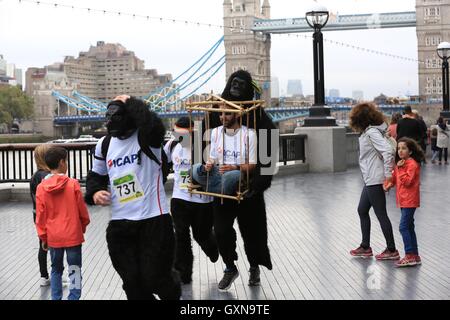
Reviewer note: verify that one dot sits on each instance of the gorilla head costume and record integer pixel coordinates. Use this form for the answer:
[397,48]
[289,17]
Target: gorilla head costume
[124,118]
[239,87]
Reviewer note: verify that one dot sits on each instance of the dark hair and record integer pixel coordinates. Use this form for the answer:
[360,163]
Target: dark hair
[54,155]
[416,151]
[441,123]
[407,110]
[363,115]
[395,117]
[184,122]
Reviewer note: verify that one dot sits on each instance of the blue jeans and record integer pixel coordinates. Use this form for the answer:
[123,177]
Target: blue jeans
[229,179]
[407,230]
[74,262]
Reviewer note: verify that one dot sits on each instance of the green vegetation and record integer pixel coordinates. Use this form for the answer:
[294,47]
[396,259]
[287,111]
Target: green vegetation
[16,138]
[14,104]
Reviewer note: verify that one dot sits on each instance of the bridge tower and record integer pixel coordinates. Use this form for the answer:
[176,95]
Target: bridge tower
[433,27]
[245,49]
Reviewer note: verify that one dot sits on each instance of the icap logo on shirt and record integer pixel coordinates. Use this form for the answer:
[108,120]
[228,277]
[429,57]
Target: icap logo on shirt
[123,161]
[182,162]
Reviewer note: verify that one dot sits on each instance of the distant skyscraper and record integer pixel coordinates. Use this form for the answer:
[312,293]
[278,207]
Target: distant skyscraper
[3,66]
[294,88]
[275,87]
[358,95]
[19,77]
[334,93]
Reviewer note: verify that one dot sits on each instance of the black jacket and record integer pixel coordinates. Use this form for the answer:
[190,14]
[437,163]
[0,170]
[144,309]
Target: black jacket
[37,177]
[410,128]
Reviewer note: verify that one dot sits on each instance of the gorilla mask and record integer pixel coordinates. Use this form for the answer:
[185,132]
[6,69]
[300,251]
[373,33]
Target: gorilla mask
[118,121]
[239,87]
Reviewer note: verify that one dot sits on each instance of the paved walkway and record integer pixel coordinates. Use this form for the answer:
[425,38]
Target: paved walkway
[313,224]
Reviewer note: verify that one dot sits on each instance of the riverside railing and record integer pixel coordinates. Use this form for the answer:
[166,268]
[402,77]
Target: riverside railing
[17,160]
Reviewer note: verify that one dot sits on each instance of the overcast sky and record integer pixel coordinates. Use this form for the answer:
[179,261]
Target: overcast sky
[32,35]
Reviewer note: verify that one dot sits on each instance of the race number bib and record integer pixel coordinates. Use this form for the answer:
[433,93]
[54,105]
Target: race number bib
[184,180]
[127,188]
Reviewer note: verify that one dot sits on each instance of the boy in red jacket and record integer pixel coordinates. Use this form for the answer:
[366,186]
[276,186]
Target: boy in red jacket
[61,220]
[406,178]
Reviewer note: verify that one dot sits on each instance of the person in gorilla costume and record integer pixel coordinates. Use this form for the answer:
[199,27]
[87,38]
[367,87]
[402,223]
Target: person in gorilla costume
[251,212]
[140,235]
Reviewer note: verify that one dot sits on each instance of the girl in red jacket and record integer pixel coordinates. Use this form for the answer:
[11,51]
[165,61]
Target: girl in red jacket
[406,178]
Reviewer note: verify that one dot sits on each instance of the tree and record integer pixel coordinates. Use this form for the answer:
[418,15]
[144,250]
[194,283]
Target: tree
[14,104]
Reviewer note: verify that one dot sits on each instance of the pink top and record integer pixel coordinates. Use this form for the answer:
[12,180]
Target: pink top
[393,130]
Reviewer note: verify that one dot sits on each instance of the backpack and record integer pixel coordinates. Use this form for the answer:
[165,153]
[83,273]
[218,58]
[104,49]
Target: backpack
[165,168]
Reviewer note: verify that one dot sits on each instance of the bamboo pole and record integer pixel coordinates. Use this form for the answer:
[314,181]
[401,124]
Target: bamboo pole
[198,103]
[218,195]
[216,110]
[228,102]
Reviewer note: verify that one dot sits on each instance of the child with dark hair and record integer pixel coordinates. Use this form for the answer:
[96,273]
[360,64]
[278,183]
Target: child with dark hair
[406,177]
[61,220]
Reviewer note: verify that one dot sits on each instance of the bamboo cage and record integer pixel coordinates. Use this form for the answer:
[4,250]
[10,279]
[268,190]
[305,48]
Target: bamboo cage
[215,103]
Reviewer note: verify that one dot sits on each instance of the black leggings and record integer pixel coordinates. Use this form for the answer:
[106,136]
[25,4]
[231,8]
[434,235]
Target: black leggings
[445,154]
[42,255]
[373,196]
[42,258]
[142,253]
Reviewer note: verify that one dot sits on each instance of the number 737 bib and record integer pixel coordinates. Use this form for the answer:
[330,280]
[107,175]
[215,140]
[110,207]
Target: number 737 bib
[127,188]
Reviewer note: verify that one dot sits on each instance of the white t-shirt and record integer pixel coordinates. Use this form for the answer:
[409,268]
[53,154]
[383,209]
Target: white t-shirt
[226,148]
[181,161]
[137,191]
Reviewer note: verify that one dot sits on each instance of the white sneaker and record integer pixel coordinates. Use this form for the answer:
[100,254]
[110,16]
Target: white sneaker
[66,281]
[44,282]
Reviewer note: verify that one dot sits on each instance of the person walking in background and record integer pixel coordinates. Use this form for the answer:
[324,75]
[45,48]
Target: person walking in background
[38,176]
[424,133]
[61,220]
[433,141]
[376,161]
[408,126]
[442,141]
[392,130]
[406,179]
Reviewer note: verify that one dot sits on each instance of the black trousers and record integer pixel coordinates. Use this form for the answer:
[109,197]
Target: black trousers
[42,256]
[445,151]
[251,217]
[199,217]
[142,253]
[374,196]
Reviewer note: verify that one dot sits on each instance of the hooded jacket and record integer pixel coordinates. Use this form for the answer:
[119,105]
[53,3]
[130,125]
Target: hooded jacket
[376,159]
[61,214]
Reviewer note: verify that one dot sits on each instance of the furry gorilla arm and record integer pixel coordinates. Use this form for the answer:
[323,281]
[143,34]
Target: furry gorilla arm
[151,127]
[94,183]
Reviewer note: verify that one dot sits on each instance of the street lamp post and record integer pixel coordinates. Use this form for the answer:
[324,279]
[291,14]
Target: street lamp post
[443,51]
[319,114]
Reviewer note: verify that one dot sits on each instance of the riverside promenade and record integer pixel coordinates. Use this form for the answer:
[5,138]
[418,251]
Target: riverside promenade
[313,224]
